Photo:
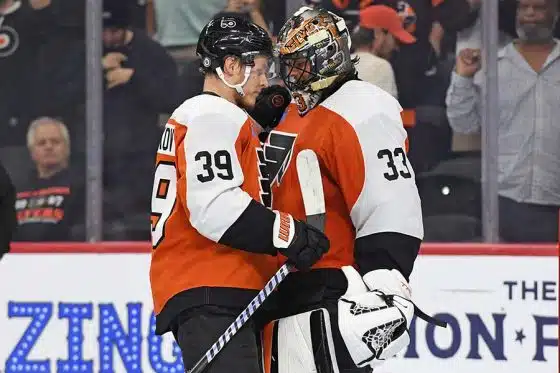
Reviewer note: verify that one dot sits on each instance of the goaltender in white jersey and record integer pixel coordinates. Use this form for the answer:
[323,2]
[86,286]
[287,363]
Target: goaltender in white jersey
[352,311]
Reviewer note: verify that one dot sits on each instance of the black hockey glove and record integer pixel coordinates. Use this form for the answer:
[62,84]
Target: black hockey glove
[301,243]
[270,106]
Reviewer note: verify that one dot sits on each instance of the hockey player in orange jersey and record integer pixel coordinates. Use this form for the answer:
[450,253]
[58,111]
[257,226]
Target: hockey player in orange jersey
[352,310]
[214,243]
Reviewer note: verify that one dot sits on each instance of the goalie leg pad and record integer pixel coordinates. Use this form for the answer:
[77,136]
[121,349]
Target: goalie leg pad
[304,343]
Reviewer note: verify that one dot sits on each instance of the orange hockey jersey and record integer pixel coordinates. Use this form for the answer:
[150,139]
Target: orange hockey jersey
[206,175]
[368,183]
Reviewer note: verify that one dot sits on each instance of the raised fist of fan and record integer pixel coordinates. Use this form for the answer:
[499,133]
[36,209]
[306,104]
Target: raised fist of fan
[301,243]
[113,60]
[468,62]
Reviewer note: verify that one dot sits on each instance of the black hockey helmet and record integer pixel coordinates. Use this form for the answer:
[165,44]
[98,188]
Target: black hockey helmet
[231,36]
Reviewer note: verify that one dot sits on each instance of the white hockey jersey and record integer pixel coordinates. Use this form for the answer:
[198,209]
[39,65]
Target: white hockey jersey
[206,175]
[368,182]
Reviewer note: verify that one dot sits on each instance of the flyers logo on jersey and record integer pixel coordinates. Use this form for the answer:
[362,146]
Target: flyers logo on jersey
[264,179]
[167,142]
[278,152]
[274,158]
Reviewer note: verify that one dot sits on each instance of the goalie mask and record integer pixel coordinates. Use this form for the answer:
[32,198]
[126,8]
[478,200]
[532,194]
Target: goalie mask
[313,49]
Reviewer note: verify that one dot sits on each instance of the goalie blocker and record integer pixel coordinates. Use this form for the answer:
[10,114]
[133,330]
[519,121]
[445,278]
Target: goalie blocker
[353,333]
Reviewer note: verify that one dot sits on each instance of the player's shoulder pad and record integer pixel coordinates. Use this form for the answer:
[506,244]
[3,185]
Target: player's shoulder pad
[205,109]
[363,103]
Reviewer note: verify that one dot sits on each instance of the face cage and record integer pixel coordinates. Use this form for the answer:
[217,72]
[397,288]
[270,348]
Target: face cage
[325,59]
[287,65]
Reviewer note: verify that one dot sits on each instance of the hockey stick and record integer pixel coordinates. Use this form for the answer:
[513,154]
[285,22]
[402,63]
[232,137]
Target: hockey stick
[311,186]
[314,202]
[236,325]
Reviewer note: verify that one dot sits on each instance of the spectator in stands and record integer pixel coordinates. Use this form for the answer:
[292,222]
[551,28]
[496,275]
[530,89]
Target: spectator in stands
[416,65]
[49,203]
[274,13]
[8,220]
[176,25]
[138,14]
[529,134]
[24,26]
[141,80]
[413,61]
[471,30]
[349,9]
[375,39]
[471,36]
[422,71]
[191,80]
[248,9]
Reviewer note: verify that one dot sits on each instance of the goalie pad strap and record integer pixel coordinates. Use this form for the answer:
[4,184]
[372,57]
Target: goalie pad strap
[427,318]
[320,342]
[303,343]
[390,299]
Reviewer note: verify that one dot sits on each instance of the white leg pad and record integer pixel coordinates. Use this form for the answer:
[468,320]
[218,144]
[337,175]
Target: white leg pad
[304,344]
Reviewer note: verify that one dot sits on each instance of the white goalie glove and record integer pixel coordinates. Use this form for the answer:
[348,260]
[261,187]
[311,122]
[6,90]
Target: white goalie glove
[373,329]
[374,315]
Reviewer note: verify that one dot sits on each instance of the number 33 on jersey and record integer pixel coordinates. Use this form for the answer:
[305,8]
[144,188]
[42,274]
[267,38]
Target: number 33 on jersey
[369,185]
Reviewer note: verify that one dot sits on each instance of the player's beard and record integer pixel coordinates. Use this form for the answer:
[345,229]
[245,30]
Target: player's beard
[535,33]
[247,102]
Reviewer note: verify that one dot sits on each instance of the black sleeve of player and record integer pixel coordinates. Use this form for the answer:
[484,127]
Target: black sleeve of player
[8,221]
[455,15]
[252,231]
[386,250]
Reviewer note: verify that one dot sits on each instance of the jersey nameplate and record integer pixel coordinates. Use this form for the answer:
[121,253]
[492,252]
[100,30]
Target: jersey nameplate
[167,142]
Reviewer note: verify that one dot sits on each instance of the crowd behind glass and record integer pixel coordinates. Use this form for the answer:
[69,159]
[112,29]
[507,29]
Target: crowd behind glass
[427,54]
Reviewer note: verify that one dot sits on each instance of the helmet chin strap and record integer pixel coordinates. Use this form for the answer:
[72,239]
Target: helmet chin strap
[237,87]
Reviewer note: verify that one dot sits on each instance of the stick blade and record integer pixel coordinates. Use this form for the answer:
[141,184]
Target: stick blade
[311,185]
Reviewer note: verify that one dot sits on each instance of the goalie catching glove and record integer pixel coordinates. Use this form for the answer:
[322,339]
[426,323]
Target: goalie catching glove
[301,243]
[374,315]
